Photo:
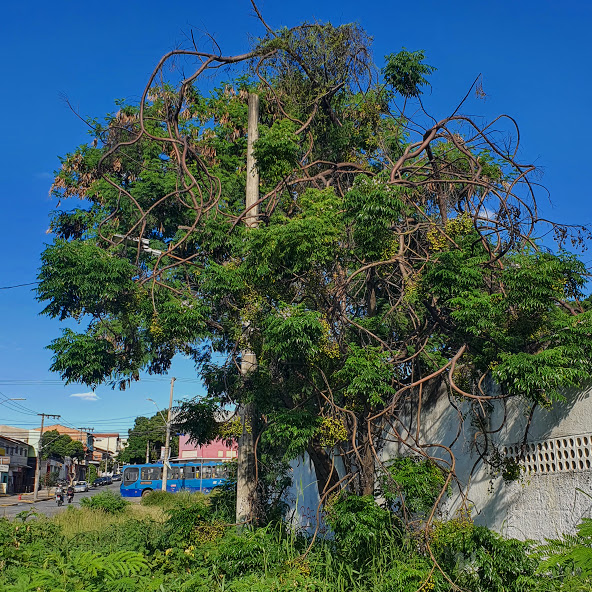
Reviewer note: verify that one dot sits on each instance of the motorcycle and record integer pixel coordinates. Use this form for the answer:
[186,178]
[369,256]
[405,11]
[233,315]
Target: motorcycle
[60,499]
[70,495]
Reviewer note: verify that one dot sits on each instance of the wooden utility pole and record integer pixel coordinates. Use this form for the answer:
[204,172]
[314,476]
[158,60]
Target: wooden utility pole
[246,486]
[167,442]
[38,468]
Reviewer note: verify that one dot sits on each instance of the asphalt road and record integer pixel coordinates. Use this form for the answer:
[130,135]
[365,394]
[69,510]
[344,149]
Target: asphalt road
[50,507]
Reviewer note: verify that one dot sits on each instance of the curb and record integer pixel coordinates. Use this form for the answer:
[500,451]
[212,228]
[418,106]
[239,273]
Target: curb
[41,499]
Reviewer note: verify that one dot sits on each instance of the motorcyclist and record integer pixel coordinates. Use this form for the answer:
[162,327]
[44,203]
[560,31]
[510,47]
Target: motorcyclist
[70,493]
[59,493]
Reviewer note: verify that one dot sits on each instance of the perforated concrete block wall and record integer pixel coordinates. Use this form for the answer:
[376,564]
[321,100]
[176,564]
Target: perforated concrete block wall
[555,455]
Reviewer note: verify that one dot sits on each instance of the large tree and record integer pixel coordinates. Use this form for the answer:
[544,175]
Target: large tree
[147,437]
[396,256]
[54,444]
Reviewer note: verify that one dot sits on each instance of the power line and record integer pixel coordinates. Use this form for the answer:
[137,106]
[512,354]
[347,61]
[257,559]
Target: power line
[18,286]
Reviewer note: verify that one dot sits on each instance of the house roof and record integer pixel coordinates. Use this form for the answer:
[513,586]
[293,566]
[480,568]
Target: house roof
[13,441]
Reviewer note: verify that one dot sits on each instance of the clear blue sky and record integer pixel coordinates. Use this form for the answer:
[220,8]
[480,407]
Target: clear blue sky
[535,58]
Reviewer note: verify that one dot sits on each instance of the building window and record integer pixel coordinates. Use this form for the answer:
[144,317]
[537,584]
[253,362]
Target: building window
[220,453]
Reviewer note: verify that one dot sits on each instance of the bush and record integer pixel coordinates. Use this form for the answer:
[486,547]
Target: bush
[162,499]
[481,560]
[184,520]
[106,501]
[168,500]
[223,501]
[412,484]
[362,528]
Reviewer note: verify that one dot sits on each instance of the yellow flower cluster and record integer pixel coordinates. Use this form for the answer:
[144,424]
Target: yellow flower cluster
[331,431]
[233,429]
[209,532]
[328,346]
[455,227]
[300,564]
[155,328]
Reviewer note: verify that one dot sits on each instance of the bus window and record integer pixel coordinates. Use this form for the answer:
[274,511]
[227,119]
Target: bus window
[130,475]
[207,473]
[220,471]
[188,472]
[151,473]
[175,473]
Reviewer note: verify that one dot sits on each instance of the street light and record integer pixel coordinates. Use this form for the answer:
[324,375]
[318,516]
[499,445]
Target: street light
[158,409]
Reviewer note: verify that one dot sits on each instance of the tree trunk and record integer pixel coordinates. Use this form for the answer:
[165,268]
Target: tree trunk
[367,469]
[326,479]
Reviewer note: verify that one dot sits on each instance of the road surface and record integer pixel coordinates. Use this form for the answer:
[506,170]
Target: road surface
[50,507]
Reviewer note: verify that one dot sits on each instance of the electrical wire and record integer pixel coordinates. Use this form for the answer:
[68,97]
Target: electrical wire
[18,286]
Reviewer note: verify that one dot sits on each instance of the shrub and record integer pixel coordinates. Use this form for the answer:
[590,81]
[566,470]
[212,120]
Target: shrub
[181,527]
[361,527]
[481,560]
[163,499]
[223,501]
[412,484]
[106,501]
[254,552]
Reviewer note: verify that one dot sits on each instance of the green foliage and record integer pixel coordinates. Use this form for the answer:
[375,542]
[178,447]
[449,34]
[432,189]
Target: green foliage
[361,527]
[481,560]
[106,501]
[412,485]
[163,499]
[54,444]
[368,376]
[91,474]
[147,432]
[276,151]
[569,558]
[184,521]
[385,248]
[406,72]
[367,552]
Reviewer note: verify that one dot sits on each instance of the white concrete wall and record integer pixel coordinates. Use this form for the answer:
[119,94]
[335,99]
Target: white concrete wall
[537,506]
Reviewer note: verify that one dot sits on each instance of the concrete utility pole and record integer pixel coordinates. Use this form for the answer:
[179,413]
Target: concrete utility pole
[38,468]
[147,451]
[167,443]
[245,485]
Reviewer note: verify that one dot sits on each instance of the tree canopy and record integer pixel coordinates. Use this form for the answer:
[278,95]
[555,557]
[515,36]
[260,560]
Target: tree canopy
[148,433]
[396,256]
[60,445]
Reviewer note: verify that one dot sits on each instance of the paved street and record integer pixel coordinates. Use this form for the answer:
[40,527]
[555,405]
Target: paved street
[50,507]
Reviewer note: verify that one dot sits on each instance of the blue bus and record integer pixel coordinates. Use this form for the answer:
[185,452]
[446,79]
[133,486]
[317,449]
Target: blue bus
[139,480]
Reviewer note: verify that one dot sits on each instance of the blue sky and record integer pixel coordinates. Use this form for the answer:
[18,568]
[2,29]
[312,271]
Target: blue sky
[534,58]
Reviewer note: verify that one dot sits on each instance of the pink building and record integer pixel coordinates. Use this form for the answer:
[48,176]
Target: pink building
[216,450]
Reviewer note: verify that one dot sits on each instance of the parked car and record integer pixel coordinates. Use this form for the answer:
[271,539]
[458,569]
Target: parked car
[98,482]
[116,477]
[107,480]
[81,486]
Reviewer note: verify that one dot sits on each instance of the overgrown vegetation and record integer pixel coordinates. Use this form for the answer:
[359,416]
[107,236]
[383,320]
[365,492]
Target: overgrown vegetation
[106,501]
[393,258]
[176,543]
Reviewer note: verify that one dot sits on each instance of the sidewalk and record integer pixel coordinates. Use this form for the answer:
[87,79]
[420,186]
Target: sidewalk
[27,498]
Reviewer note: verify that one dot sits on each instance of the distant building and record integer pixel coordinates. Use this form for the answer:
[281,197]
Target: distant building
[78,434]
[16,470]
[109,442]
[216,450]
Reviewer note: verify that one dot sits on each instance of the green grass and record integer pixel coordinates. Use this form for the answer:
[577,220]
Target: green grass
[77,521]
